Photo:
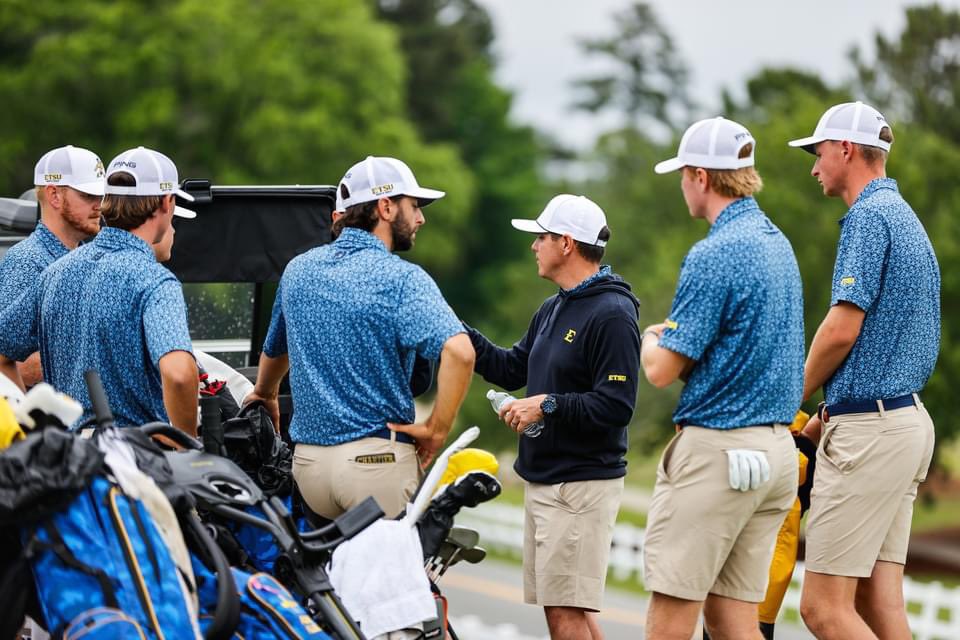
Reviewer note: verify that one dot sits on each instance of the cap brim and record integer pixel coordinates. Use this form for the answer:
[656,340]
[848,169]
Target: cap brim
[668,165]
[807,144]
[186,196]
[530,226]
[180,212]
[91,188]
[425,196]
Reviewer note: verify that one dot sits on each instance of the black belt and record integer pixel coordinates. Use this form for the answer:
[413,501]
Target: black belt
[866,406]
[387,434]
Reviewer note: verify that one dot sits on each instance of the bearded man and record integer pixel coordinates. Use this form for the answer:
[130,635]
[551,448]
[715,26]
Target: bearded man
[349,319]
[69,188]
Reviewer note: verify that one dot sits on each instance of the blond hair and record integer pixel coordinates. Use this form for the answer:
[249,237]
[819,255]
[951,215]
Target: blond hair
[734,183]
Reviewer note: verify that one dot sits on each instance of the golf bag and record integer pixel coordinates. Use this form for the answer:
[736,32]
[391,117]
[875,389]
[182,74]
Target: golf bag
[98,563]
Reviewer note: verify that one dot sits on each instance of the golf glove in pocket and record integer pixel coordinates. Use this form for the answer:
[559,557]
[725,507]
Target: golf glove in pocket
[748,468]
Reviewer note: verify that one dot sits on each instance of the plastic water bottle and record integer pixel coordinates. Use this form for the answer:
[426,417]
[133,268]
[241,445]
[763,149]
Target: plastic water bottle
[500,399]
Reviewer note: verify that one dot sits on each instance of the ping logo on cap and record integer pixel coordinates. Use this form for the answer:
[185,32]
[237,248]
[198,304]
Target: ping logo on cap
[53,177]
[847,281]
[384,188]
[123,163]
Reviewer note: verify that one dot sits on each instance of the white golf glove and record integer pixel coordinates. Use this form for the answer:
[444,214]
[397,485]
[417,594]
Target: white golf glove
[748,469]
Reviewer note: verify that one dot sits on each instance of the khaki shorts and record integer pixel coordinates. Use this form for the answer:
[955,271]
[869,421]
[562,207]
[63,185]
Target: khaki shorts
[336,478]
[704,537]
[868,469]
[566,541]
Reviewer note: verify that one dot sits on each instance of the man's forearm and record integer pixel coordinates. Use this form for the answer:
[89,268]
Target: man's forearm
[178,376]
[831,345]
[270,373]
[180,401]
[453,380]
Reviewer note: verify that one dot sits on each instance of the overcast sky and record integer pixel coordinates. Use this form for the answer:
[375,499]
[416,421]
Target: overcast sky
[723,43]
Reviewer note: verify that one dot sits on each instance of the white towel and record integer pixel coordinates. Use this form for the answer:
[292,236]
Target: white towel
[379,576]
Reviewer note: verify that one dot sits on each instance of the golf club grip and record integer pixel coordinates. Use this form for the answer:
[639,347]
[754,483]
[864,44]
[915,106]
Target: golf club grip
[98,398]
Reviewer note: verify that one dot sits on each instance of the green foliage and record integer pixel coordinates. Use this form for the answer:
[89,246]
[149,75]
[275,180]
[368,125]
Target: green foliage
[452,97]
[650,79]
[916,76]
[268,92]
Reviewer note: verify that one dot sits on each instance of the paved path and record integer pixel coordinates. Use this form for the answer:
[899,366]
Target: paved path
[486,603]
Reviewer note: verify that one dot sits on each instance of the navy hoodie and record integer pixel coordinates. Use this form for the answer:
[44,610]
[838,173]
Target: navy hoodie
[583,346]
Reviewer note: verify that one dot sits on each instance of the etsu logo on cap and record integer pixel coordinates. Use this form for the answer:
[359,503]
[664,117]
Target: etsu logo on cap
[166,186]
[384,188]
[53,177]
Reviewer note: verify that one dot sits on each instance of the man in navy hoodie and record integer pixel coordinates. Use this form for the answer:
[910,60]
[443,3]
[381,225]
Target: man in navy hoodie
[579,360]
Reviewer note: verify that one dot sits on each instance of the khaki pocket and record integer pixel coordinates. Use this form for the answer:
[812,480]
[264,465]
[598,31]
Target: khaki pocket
[839,449]
[664,466]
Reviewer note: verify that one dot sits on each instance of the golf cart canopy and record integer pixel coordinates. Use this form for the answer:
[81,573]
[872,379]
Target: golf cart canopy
[248,234]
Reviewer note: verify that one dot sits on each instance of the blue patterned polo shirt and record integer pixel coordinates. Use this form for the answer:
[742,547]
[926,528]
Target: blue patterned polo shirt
[887,267]
[352,316]
[23,263]
[107,306]
[738,312]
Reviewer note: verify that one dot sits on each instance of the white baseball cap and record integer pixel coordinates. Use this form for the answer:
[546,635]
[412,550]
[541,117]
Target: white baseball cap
[72,167]
[154,174]
[577,216]
[714,143]
[374,178]
[853,121]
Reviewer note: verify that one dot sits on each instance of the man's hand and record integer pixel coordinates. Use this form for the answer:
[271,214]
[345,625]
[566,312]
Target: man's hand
[748,469]
[270,403]
[813,429]
[521,413]
[429,439]
[31,371]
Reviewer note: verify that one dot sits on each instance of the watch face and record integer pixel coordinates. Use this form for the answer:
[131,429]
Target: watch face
[548,405]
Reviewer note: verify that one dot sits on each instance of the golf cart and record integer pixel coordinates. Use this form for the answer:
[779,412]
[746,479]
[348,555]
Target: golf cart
[230,258]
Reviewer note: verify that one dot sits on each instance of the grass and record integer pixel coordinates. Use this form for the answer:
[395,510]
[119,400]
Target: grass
[940,513]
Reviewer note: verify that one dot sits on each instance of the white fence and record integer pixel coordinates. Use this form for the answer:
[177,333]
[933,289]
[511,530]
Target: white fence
[933,610]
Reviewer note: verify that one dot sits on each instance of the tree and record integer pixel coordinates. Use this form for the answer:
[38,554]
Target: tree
[649,80]
[916,77]
[291,91]
[453,98]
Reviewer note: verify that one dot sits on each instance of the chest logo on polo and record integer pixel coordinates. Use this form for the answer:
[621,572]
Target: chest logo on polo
[671,324]
[571,334]
[847,281]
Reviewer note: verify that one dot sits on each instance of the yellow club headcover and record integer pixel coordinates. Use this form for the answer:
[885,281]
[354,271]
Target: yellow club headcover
[463,462]
[799,421]
[10,430]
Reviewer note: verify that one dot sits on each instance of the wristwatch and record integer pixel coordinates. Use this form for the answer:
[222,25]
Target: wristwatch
[548,405]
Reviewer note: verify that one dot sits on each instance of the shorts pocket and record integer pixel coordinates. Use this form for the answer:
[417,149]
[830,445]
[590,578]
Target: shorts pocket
[840,449]
[664,466]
